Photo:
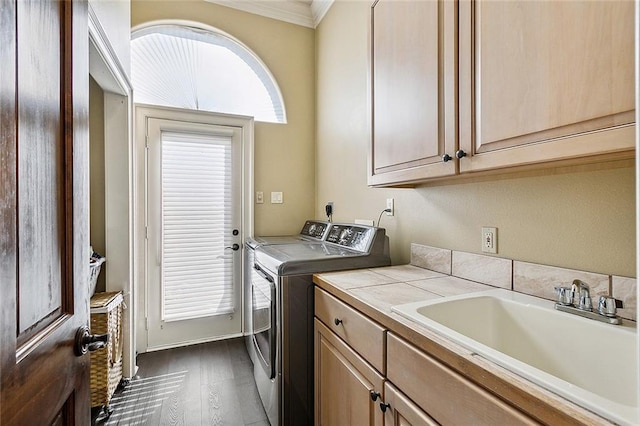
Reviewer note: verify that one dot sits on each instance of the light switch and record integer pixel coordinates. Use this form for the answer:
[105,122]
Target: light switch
[276,198]
[259,197]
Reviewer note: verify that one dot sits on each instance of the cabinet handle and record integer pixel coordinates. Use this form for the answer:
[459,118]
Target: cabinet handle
[460,153]
[374,395]
[446,158]
[384,406]
[337,321]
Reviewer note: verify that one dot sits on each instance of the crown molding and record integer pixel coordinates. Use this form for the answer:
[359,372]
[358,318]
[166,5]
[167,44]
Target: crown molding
[319,8]
[306,14]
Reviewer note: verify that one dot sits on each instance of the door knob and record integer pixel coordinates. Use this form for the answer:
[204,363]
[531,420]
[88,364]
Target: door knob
[234,247]
[446,158]
[384,406]
[87,342]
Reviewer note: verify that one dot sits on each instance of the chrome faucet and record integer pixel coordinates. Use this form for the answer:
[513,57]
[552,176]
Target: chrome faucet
[577,300]
[584,297]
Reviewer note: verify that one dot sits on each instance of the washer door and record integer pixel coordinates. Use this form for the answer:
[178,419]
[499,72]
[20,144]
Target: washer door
[263,302]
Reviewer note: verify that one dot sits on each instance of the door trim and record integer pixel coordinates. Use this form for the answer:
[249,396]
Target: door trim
[106,68]
[142,114]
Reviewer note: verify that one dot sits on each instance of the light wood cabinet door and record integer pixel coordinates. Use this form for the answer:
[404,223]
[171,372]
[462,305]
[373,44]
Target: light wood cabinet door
[543,81]
[412,81]
[343,383]
[402,411]
[444,394]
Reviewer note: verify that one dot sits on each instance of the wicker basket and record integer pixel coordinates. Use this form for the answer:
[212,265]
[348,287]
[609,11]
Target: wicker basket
[106,364]
[95,264]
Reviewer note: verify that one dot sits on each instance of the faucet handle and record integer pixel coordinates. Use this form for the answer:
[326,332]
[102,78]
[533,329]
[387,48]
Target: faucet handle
[608,306]
[565,296]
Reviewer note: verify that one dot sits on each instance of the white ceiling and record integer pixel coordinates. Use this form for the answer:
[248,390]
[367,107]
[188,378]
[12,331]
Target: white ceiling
[307,13]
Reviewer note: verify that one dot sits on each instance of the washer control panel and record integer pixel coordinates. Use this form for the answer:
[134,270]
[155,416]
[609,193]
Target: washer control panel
[354,237]
[314,229]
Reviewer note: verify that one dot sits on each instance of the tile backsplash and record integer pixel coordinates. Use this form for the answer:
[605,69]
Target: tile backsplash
[433,258]
[624,288]
[489,270]
[540,280]
[524,277]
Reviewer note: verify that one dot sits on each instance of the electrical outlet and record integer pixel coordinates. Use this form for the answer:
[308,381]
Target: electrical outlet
[390,206]
[489,240]
[328,209]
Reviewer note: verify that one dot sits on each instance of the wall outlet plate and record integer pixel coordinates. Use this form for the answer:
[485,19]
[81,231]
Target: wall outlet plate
[489,240]
[390,205]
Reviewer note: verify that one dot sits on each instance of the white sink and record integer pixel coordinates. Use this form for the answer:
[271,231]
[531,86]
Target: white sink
[590,363]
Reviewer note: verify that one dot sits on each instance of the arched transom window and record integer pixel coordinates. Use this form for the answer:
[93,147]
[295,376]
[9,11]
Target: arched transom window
[188,67]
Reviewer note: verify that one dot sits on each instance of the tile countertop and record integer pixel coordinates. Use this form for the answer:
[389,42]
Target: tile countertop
[374,291]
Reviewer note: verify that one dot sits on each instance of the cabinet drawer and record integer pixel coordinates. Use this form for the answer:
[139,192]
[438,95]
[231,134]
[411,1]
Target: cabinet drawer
[360,332]
[447,396]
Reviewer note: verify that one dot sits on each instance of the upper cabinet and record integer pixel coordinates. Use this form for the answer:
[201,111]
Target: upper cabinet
[518,85]
[545,81]
[412,81]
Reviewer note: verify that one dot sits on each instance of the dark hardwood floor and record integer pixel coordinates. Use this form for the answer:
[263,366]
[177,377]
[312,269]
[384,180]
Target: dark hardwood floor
[206,384]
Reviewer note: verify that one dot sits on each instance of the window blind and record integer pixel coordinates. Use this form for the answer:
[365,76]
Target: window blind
[193,68]
[197,276]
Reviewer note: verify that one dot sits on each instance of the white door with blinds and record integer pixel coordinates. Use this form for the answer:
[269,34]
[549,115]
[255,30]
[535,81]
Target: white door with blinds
[194,174]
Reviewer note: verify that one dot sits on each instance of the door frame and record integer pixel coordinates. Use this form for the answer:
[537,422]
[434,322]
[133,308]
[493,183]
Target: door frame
[119,270]
[142,113]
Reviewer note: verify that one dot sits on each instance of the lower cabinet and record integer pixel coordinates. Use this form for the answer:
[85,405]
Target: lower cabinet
[401,411]
[410,388]
[346,386]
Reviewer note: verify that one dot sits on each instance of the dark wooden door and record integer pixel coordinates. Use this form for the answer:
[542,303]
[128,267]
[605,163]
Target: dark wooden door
[43,211]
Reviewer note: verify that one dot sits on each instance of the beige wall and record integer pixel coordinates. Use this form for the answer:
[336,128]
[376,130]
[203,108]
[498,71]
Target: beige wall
[96,173]
[582,220]
[284,153]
